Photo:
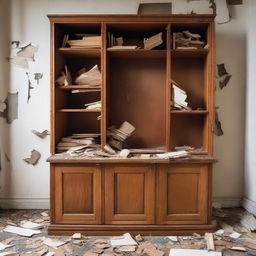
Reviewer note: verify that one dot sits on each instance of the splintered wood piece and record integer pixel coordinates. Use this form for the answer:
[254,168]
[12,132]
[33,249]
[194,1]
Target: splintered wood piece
[209,241]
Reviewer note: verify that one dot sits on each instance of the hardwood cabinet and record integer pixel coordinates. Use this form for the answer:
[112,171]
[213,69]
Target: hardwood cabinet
[130,194]
[148,196]
[183,194]
[78,193]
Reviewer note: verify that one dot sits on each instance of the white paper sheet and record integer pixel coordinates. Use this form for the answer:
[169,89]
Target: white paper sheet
[31,225]
[125,239]
[189,252]
[4,246]
[21,231]
[53,243]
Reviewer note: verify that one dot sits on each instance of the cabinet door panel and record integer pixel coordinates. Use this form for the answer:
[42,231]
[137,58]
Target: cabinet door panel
[129,194]
[182,195]
[78,195]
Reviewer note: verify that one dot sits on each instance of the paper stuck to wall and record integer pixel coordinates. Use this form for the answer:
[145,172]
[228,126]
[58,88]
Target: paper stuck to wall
[21,231]
[42,134]
[33,159]
[10,112]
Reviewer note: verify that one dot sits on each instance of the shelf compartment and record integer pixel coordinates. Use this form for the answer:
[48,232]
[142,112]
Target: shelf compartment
[138,99]
[189,112]
[83,52]
[137,53]
[188,130]
[189,53]
[79,110]
[189,73]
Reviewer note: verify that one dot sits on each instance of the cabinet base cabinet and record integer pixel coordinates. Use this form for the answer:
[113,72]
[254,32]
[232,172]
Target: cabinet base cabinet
[150,199]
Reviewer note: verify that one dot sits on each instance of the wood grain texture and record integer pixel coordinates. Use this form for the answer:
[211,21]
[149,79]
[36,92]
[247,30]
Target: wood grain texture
[183,194]
[129,194]
[78,194]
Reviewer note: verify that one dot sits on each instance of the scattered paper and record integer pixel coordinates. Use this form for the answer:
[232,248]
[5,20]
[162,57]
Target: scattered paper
[44,214]
[4,246]
[219,232]
[64,78]
[77,236]
[34,158]
[249,221]
[174,154]
[42,134]
[31,225]
[139,238]
[21,231]
[53,242]
[8,253]
[235,235]
[19,61]
[28,52]
[101,244]
[222,12]
[92,77]
[124,153]
[238,248]
[127,248]
[173,238]
[10,113]
[125,239]
[191,252]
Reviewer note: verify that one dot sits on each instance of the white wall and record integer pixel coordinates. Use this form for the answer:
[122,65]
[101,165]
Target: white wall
[250,142]
[26,186]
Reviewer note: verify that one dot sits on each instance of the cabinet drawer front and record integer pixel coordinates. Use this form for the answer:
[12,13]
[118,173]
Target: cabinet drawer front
[129,194]
[78,195]
[183,195]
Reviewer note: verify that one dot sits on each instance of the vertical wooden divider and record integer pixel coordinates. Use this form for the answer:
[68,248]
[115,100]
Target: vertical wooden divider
[168,88]
[103,86]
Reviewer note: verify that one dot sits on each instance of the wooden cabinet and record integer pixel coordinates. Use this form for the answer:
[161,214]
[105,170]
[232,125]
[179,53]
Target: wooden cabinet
[130,194]
[183,194]
[101,196]
[78,194]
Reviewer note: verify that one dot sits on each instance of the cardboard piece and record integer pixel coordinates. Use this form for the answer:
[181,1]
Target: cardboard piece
[209,241]
[21,231]
[92,77]
[34,158]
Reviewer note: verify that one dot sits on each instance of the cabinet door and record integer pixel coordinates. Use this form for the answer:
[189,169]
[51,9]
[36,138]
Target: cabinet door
[129,194]
[78,195]
[182,194]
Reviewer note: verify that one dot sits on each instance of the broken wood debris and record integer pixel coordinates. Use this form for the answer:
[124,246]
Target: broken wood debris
[34,158]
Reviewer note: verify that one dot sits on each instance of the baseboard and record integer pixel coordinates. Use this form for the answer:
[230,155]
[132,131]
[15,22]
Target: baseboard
[249,205]
[24,203]
[228,202]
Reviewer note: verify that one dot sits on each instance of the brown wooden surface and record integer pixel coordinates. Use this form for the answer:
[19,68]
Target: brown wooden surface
[135,88]
[183,194]
[77,195]
[129,194]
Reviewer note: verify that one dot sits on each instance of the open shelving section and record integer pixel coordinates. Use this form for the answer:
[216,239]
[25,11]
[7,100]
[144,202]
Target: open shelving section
[136,86]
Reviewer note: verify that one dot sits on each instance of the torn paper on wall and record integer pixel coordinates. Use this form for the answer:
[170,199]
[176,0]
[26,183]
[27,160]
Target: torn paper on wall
[10,112]
[19,61]
[34,158]
[15,44]
[217,127]
[222,12]
[38,76]
[7,157]
[223,75]
[30,87]
[28,52]
[42,134]
[212,6]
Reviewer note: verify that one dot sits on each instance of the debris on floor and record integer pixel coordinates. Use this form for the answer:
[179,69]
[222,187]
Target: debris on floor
[230,239]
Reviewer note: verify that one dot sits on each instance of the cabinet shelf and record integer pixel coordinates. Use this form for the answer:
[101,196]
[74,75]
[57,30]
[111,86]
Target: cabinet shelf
[137,53]
[82,52]
[79,110]
[190,112]
[73,87]
[189,53]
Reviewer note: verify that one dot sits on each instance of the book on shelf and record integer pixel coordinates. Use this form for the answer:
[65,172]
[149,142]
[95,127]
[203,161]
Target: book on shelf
[85,41]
